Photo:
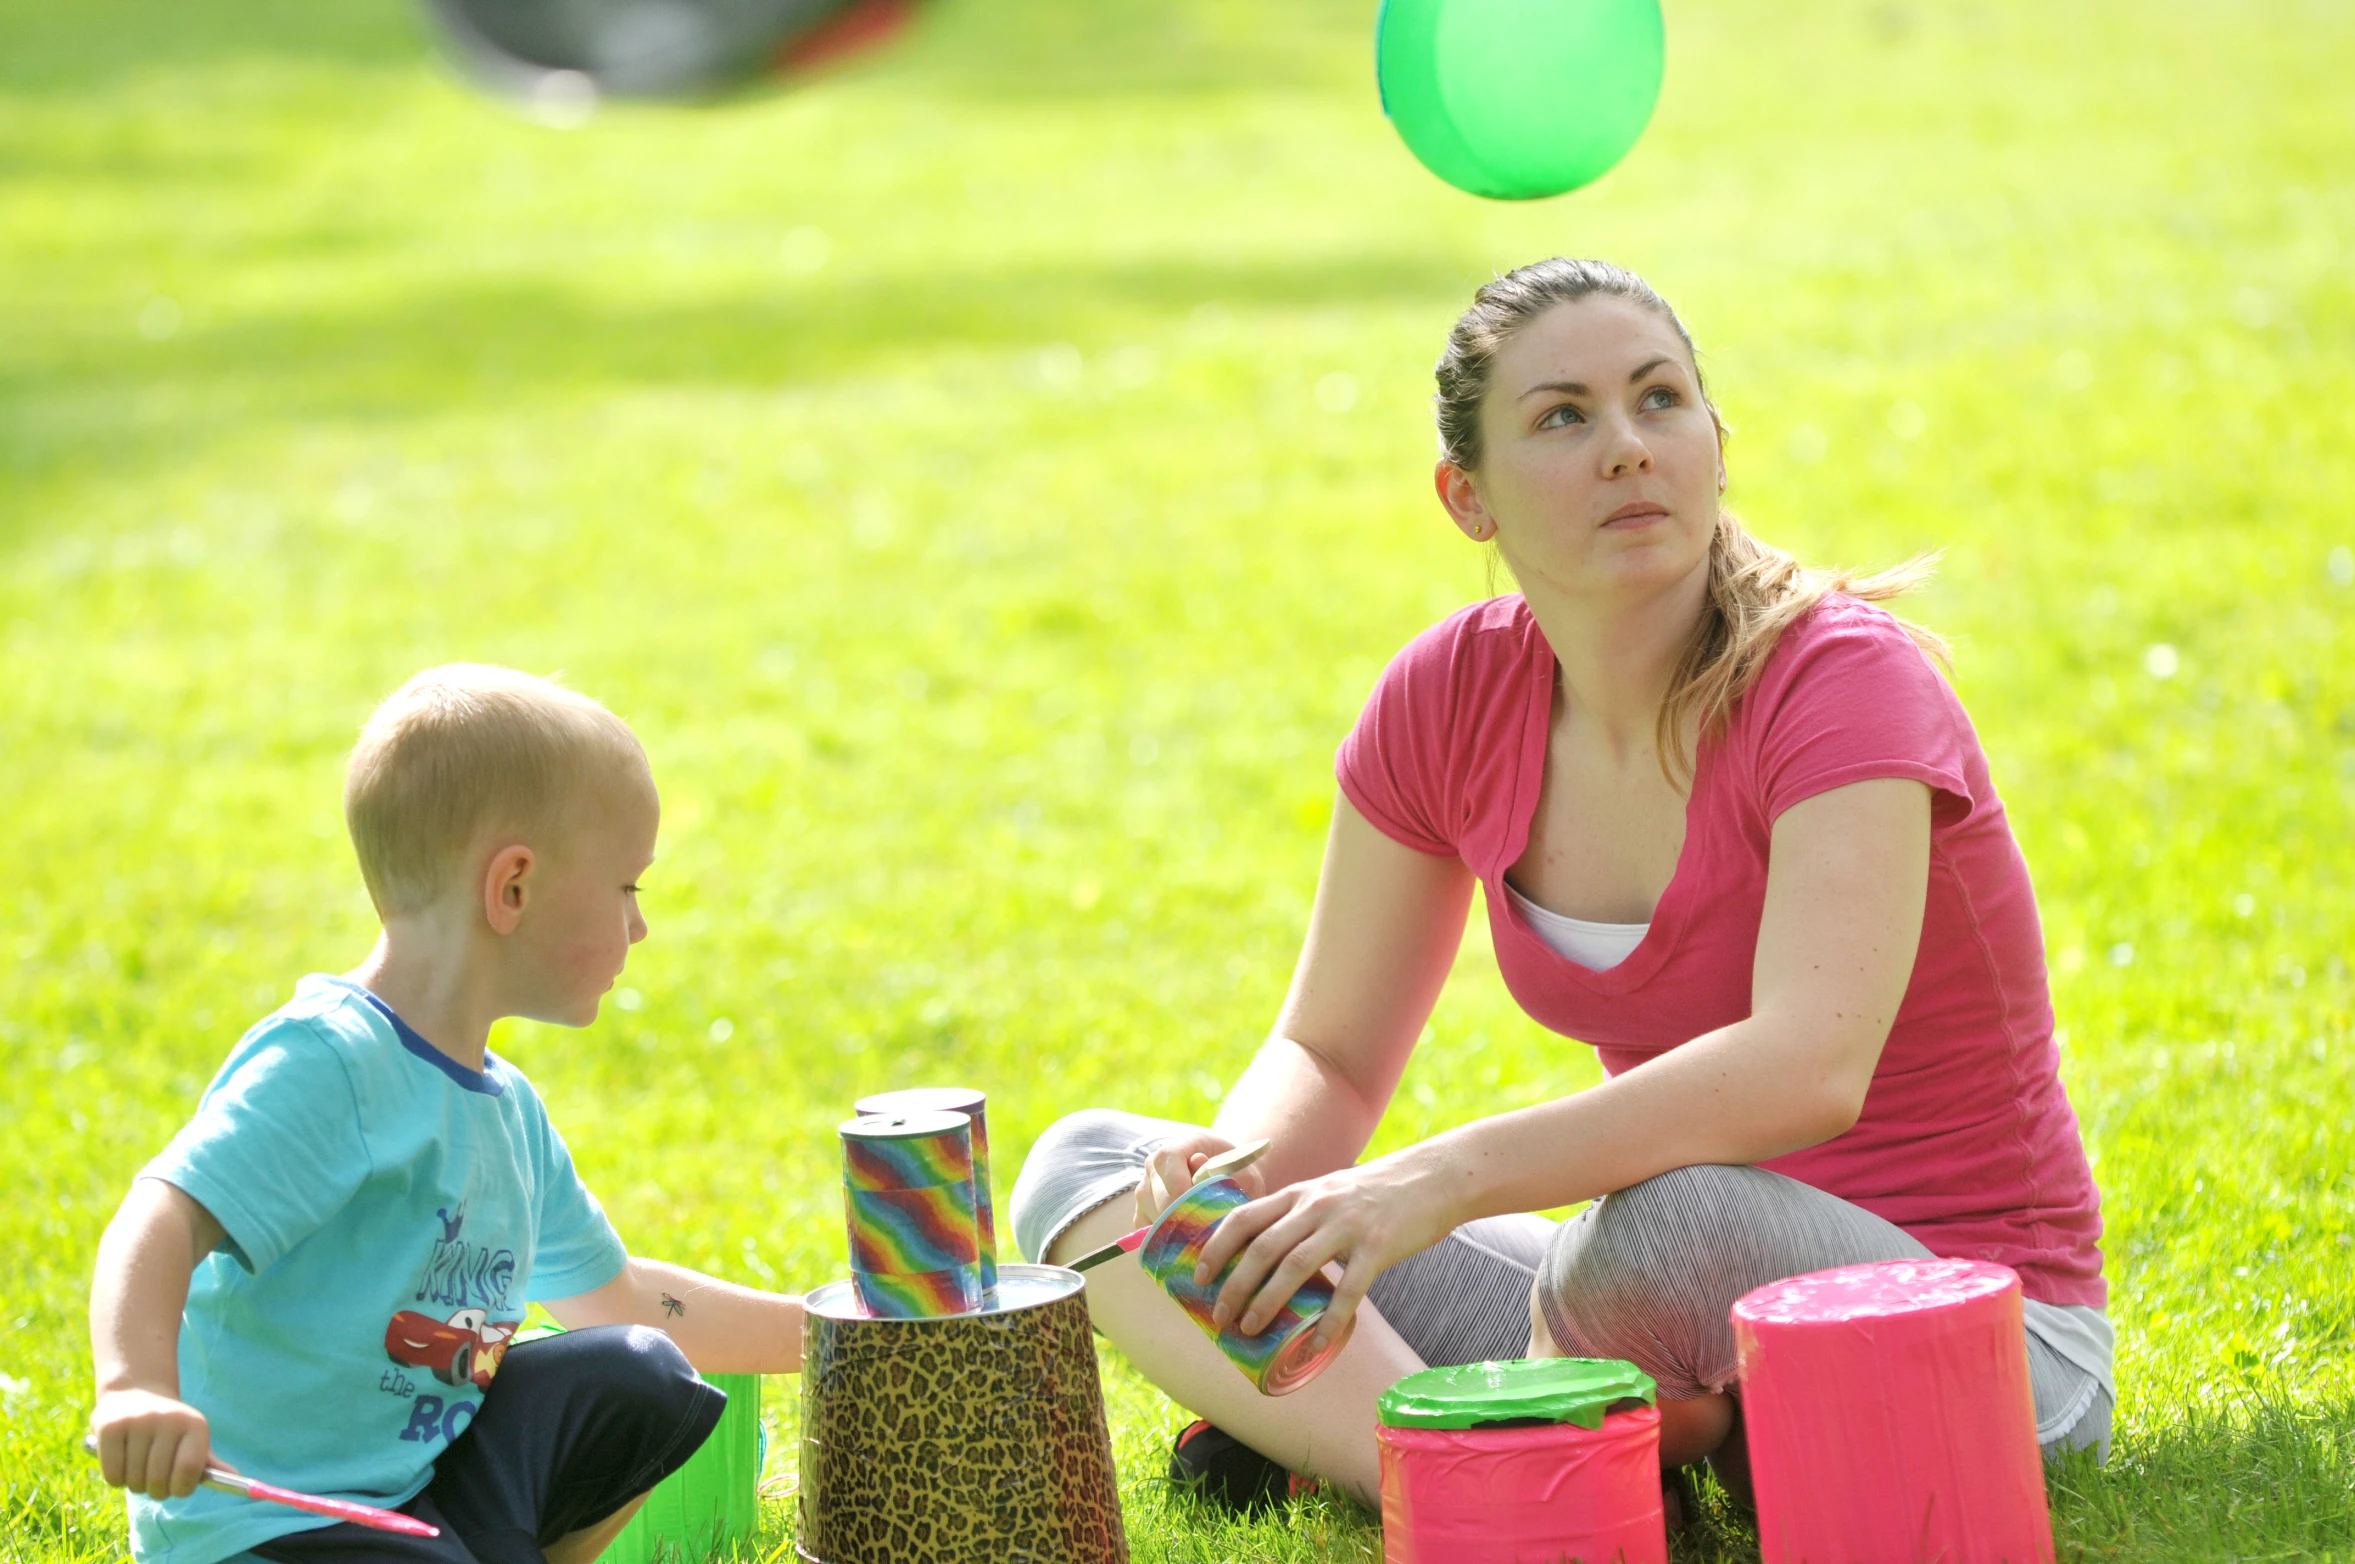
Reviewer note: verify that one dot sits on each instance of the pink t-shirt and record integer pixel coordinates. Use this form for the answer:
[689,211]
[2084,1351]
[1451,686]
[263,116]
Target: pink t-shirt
[1967,1140]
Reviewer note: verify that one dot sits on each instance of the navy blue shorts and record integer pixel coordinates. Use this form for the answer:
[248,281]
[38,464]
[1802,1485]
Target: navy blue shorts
[572,1428]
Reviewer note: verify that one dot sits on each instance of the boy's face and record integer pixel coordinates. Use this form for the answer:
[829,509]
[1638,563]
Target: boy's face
[581,911]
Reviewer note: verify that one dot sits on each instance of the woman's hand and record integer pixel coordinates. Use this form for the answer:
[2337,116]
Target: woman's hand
[1367,1218]
[1170,1173]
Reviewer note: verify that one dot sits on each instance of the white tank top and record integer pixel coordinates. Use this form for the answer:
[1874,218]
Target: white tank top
[1596,946]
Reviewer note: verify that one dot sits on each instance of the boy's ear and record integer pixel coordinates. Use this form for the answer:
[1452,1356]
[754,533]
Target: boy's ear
[503,887]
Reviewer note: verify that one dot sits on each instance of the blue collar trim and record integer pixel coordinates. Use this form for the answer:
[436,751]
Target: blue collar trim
[487,1080]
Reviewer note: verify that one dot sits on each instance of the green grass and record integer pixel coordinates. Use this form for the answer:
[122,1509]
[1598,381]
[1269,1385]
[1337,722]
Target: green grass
[992,594]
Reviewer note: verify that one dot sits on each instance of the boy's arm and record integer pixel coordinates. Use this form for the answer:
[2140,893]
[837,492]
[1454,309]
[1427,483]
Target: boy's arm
[148,1438]
[721,1327]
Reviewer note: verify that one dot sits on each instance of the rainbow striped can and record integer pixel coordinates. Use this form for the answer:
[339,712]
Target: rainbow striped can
[1277,1360]
[908,1204]
[972,1104]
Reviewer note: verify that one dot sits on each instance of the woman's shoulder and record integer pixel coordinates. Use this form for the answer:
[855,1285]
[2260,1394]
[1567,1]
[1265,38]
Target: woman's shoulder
[1438,735]
[1848,694]
[1840,617]
[1845,639]
[1495,632]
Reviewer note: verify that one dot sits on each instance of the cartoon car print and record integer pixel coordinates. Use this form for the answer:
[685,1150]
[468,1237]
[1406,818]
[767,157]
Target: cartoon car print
[464,1349]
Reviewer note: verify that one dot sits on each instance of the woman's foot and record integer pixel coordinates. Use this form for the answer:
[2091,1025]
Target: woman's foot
[1226,1473]
[1679,1498]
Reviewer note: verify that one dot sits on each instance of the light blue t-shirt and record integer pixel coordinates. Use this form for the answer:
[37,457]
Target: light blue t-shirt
[389,1212]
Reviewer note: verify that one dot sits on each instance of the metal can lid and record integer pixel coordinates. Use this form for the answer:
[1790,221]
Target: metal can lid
[922,1099]
[1522,1391]
[903,1126]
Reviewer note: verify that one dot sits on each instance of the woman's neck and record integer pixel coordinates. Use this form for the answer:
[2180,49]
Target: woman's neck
[1617,655]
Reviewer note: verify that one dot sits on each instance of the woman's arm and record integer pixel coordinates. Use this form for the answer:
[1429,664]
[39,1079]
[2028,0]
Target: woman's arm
[721,1327]
[1381,938]
[1846,882]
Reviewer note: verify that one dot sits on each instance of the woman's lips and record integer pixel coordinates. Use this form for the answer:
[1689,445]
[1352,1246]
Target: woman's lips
[1638,513]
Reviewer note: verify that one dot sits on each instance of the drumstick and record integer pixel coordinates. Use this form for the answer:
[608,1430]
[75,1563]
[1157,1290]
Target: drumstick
[367,1515]
[1234,1161]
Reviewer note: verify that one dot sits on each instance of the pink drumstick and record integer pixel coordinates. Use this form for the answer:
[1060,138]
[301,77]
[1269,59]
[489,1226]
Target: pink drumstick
[367,1515]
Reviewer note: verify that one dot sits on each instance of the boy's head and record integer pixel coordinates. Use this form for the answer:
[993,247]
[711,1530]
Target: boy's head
[476,789]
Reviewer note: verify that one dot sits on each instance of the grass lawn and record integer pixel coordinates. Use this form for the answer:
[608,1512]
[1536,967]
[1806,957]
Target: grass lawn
[991,478]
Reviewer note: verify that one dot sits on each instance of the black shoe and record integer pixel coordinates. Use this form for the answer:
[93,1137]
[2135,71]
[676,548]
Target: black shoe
[1226,1473]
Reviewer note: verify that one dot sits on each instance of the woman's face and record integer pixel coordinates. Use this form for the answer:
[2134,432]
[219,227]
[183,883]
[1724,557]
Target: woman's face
[1600,464]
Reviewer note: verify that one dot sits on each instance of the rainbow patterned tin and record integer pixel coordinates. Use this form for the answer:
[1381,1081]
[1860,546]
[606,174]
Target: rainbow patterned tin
[907,1150]
[908,1206]
[1277,1360]
[972,1104]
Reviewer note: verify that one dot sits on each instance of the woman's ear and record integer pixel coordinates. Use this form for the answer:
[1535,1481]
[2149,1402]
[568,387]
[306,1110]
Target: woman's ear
[1461,495]
[503,887]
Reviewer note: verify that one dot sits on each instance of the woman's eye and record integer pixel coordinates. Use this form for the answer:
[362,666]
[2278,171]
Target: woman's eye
[1659,396]
[1559,417]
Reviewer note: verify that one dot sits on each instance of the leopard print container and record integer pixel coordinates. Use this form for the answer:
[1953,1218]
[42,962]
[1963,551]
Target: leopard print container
[965,1439]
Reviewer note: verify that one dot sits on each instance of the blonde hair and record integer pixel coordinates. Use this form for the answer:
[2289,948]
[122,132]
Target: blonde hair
[462,750]
[1755,592]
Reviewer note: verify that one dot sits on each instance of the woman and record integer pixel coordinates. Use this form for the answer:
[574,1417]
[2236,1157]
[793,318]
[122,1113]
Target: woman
[1736,832]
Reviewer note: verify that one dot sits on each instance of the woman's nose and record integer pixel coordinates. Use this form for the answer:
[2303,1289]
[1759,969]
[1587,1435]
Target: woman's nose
[1626,452]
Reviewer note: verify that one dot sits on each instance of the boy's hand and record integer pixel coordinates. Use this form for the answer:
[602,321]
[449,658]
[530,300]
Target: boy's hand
[151,1444]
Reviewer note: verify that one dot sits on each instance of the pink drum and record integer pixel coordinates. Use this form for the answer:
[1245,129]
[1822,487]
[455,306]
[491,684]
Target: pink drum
[1532,1461]
[1889,1416]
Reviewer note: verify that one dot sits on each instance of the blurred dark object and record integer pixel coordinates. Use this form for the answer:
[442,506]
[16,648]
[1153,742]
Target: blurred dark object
[561,56]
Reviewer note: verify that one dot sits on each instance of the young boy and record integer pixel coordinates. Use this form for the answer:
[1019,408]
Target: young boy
[367,1197]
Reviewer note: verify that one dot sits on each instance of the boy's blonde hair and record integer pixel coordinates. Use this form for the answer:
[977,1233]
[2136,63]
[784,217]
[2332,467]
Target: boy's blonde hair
[462,750]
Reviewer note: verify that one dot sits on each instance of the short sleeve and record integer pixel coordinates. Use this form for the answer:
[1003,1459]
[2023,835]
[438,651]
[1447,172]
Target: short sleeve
[1852,699]
[575,1249]
[1393,764]
[275,1149]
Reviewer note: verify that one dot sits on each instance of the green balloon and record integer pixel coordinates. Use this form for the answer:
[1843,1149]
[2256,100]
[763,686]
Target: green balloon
[1517,99]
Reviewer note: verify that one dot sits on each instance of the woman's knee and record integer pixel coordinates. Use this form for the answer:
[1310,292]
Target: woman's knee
[1637,1232]
[1648,1272]
[1688,1200]
[1719,1226]
[1082,1160]
[1091,1134]
[1639,1274]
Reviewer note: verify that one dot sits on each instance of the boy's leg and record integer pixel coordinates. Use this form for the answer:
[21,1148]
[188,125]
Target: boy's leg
[573,1432]
[344,1543]
[585,1546]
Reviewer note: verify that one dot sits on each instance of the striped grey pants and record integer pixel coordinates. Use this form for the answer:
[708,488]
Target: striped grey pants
[1647,1274]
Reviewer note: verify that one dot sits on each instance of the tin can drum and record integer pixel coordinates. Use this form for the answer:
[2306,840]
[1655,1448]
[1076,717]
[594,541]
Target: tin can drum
[1536,1458]
[975,1106]
[1284,1355]
[963,1439]
[909,1205]
[1889,1416]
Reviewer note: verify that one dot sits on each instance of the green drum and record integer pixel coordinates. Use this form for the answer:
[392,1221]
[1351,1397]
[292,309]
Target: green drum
[713,1499]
